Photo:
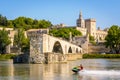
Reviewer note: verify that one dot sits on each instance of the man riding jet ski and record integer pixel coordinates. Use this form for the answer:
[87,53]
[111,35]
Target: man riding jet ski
[78,68]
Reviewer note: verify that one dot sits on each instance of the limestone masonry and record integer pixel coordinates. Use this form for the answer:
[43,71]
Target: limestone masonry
[88,26]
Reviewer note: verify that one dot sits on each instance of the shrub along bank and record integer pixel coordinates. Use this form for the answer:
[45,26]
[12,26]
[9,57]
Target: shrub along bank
[93,56]
[7,56]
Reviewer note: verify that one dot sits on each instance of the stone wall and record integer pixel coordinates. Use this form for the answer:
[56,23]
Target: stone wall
[82,42]
[97,48]
[38,58]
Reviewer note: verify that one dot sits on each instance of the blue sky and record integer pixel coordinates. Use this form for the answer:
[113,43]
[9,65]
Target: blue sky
[106,12]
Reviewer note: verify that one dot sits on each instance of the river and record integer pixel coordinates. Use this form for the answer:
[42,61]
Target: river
[94,69]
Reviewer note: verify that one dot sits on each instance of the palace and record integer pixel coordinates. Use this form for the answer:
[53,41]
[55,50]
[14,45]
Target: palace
[88,26]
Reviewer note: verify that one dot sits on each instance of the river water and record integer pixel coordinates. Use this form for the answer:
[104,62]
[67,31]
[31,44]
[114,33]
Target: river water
[94,69]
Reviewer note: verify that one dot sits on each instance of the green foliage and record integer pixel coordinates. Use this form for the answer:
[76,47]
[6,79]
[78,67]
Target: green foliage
[92,40]
[113,39]
[44,24]
[24,22]
[7,56]
[20,40]
[10,24]
[64,32]
[28,23]
[3,21]
[26,45]
[4,40]
[92,56]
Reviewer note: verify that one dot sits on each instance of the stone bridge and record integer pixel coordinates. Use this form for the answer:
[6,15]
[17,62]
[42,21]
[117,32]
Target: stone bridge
[46,48]
[56,45]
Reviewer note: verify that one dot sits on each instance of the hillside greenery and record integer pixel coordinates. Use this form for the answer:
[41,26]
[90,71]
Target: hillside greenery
[24,22]
[65,33]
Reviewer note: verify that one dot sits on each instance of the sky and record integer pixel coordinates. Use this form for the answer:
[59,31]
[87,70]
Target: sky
[106,12]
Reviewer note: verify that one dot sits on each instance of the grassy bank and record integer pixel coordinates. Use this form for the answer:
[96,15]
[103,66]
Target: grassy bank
[93,56]
[7,56]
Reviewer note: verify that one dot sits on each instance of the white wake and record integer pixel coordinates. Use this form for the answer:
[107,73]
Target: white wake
[100,72]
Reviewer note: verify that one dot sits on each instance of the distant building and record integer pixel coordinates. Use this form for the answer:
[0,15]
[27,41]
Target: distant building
[88,26]
[59,26]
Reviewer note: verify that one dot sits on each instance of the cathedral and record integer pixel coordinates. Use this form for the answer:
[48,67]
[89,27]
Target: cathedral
[88,26]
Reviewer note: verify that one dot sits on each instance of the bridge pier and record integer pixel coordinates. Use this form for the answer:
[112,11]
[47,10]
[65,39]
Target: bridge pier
[47,58]
[55,57]
[75,56]
[61,58]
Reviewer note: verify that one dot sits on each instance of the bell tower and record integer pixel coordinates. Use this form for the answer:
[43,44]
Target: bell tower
[91,27]
[80,21]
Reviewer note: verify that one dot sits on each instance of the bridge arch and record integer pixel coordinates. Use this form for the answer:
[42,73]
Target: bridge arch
[76,50]
[57,48]
[70,50]
[80,51]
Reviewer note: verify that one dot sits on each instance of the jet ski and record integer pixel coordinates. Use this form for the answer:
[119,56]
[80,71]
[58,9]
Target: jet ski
[75,69]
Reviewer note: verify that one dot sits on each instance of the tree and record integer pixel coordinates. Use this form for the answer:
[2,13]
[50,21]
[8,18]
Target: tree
[19,22]
[113,39]
[10,24]
[28,23]
[4,41]
[3,20]
[44,24]
[35,22]
[20,40]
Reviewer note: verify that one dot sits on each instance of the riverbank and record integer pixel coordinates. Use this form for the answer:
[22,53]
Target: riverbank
[7,56]
[84,56]
[94,56]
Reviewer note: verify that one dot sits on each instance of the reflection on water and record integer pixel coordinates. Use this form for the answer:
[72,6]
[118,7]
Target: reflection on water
[61,71]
